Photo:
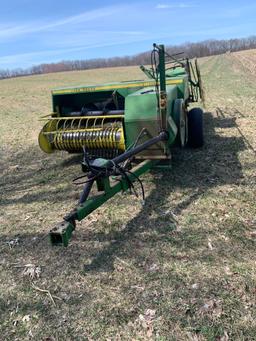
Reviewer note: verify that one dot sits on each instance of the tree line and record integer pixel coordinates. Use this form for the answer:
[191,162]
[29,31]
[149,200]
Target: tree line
[191,50]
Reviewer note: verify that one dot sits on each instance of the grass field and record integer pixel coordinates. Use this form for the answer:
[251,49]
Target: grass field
[182,267]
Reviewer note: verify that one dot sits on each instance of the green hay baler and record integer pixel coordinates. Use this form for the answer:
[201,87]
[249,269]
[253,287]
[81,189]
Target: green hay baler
[124,129]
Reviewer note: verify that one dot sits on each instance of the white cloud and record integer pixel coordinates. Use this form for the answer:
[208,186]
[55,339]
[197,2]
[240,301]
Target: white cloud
[78,39]
[174,6]
[9,31]
[54,55]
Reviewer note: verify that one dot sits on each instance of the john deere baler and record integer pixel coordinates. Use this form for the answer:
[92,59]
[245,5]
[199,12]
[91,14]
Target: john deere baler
[118,125]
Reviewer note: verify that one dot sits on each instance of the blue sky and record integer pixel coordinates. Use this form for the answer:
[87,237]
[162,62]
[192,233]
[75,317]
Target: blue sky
[35,31]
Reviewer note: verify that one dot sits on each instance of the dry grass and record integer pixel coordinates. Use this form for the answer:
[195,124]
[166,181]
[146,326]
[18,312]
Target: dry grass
[180,268]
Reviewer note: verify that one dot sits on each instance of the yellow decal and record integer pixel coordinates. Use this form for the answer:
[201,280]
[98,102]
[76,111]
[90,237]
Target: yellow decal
[114,86]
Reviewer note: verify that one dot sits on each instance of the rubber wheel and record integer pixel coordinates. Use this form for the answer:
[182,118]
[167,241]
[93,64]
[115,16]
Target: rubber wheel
[195,128]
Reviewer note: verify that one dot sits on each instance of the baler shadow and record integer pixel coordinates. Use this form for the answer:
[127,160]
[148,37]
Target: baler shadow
[72,160]
[195,172]
[35,181]
[231,122]
[26,179]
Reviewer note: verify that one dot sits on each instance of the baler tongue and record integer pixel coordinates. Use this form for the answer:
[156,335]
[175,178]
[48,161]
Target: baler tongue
[100,170]
[61,233]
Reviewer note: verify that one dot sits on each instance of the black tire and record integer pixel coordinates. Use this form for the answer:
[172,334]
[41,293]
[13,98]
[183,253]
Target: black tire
[195,128]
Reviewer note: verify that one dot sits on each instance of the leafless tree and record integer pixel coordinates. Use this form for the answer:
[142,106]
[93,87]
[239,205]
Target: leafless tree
[199,49]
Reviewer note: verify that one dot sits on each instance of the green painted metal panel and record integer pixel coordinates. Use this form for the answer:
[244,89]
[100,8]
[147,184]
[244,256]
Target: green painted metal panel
[76,97]
[177,72]
[183,88]
[141,112]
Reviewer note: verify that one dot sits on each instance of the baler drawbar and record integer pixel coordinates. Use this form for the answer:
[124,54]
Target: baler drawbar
[124,129]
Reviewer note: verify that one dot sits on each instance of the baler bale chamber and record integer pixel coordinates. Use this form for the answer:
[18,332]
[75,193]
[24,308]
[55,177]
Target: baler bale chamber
[124,129]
